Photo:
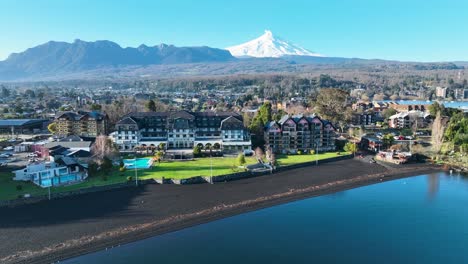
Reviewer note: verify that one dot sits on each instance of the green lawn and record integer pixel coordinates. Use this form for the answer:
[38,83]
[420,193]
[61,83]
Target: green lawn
[9,191]
[285,160]
[166,169]
[188,169]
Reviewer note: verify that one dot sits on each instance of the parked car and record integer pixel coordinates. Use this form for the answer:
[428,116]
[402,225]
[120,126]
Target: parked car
[4,156]
[10,148]
[33,155]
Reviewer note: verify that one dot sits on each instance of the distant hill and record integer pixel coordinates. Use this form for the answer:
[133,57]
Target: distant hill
[107,60]
[55,58]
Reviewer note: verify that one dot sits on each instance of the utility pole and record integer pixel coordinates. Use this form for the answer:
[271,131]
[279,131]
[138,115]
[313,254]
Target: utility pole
[136,172]
[211,168]
[316,153]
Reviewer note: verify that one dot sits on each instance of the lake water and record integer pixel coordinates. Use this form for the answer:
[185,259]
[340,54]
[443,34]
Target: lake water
[462,105]
[421,219]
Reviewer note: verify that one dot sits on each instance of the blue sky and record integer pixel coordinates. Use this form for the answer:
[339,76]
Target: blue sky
[388,29]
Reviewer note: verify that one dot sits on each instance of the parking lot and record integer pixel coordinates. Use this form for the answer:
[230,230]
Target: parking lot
[10,160]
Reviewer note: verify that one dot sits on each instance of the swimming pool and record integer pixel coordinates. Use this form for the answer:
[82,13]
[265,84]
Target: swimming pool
[142,163]
[59,180]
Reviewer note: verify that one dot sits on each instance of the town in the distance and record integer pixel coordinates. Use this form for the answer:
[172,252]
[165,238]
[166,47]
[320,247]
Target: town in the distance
[209,130]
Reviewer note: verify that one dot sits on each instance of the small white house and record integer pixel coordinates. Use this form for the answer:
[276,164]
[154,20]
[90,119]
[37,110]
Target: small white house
[49,174]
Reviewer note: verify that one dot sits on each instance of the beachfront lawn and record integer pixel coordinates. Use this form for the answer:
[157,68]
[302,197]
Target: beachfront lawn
[285,160]
[8,187]
[166,169]
[191,168]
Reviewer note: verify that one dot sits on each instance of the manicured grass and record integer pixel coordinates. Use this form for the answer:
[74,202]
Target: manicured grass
[166,169]
[285,160]
[188,169]
[8,189]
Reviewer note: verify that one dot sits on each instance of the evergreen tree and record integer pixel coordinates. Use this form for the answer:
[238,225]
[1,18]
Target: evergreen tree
[151,106]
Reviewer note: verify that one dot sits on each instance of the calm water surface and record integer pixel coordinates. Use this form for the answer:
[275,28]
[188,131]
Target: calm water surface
[422,219]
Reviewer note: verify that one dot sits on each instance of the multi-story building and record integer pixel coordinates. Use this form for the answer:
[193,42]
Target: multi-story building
[407,107]
[367,118]
[441,92]
[461,94]
[299,132]
[88,124]
[182,130]
[409,119]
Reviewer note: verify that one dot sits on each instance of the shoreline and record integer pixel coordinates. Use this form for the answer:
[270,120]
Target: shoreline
[131,233]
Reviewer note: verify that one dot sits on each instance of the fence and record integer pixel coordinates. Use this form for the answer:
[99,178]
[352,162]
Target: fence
[42,197]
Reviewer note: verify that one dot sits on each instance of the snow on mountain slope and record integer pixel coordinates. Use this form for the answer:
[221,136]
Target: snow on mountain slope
[267,46]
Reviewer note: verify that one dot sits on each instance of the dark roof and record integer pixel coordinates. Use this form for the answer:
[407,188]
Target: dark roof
[20,122]
[58,151]
[79,154]
[183,113]
[81,115]
[67,161]
[72,138]
[284,119]
[270,124]
[68,144]
[93,114]
[127,121]
[232,123]
[70,116]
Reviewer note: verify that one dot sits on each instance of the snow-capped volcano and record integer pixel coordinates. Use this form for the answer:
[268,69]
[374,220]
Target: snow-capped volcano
[269,46]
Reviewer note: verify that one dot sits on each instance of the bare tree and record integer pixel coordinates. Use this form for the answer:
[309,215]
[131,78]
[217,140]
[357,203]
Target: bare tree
[438,130]
[259,153]
[103,147]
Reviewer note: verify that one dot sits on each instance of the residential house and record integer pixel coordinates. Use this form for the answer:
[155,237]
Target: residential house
[47,174]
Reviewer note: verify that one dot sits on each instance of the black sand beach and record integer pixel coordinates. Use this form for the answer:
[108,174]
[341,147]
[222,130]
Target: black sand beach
[54,230]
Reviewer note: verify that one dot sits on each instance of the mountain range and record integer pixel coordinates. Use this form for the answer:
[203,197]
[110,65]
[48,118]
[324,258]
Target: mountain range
[61,57]
[105,59]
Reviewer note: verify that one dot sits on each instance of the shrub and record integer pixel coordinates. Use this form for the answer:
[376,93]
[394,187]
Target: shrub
[129,178]
[92,168]
[299,152]
[121,164]
[19,187]
[240,159]
[106,165]
[312,151]
[197,151]
[122,169]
